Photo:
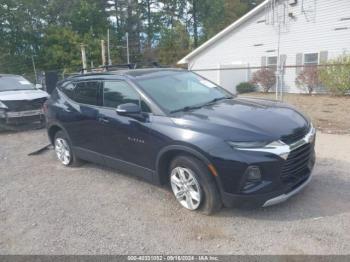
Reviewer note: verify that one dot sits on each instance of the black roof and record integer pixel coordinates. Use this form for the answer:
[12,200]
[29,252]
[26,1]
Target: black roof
[150,71]
[132,73]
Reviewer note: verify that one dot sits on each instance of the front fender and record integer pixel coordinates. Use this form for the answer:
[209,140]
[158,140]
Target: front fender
[163,161]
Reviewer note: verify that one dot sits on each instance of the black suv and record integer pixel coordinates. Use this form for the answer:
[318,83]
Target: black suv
[173,126]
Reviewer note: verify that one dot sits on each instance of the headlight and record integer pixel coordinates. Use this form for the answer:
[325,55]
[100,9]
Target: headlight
[257,144]
[247,144]
[2,105]
[277,147]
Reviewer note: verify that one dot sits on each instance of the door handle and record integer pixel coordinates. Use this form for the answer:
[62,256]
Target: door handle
[103,120]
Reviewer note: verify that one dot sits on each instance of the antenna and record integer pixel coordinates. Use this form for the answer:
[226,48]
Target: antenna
[277,15]
[308,8]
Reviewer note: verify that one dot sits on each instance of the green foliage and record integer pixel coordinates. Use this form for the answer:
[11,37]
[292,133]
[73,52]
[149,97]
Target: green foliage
[245,87]
[216,15]
[61,49]
[174,44]
[336,78]
[51,31]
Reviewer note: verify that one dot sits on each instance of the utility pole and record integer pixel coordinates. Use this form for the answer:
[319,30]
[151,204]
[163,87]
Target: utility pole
[108,49]
[103,53]
[276,15]
[83,58]
[278,71]
[36,76]
[127,47]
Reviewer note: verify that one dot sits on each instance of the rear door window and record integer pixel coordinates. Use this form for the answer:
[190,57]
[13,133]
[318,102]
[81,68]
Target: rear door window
[87,92]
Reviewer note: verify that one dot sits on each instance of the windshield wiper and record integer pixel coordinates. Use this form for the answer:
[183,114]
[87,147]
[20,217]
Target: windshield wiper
[218,99]
[188,108]
[185,109]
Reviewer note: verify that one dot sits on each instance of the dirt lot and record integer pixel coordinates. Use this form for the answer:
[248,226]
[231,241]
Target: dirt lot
[329,114]
[46,208]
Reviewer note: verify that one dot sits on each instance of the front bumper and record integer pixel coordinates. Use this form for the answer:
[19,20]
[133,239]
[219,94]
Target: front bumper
[281,178]
[266,199]
[22,117]
[284,197]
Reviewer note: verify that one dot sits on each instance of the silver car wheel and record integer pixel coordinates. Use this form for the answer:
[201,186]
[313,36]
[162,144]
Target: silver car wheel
[186,188]
[62,151]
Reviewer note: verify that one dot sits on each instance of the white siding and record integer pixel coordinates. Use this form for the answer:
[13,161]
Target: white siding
[299,36]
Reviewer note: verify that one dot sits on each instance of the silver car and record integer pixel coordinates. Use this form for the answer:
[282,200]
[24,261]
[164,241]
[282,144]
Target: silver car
[20,101]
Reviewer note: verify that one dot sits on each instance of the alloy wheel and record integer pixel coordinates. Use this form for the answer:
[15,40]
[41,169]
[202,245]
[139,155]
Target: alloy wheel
[186,187]
[62,151]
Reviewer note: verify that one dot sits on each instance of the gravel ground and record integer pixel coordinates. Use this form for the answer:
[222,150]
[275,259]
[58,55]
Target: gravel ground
[46,208]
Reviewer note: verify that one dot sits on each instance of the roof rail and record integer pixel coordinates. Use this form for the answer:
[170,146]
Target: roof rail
[115,67]
[148,65]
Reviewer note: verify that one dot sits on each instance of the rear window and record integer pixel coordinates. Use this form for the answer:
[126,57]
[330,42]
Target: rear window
[13,83]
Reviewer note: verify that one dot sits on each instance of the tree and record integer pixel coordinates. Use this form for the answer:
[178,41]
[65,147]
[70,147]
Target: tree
[172,12]
[308,78]
[27,29]
[227,10]
[336,77]
[61,49]
[20,34]
[265,78]
[174,44]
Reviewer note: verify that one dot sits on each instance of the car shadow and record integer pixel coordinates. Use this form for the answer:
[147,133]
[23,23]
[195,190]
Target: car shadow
[327,195]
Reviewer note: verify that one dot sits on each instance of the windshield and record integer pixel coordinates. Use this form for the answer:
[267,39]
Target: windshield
[13,83]
[181,91]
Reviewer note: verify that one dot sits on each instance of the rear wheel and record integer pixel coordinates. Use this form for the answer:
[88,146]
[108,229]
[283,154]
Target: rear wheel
[64,151]
[193,185]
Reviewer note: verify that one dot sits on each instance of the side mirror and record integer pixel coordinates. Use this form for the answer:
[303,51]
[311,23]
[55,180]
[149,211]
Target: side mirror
[39,86]
[128,109]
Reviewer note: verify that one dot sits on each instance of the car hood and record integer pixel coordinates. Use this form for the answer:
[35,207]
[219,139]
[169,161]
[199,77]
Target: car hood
[22,95]
[244,119]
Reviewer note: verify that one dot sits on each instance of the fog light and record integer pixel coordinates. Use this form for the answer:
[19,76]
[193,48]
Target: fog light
[253,174]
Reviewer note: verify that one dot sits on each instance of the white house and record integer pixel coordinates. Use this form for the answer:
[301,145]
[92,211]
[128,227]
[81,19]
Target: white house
[301,31]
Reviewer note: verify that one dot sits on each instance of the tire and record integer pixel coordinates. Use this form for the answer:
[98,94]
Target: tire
[199,194]
[64,152]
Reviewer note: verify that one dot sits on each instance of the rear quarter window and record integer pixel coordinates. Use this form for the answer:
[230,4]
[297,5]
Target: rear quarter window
[68,90]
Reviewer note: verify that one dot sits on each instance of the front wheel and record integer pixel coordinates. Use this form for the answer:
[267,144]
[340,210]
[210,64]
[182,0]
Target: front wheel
[193,185]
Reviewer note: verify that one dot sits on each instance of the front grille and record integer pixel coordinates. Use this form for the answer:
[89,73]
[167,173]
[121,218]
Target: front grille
[24,105]
[297,166]
[24,120]
[296,136]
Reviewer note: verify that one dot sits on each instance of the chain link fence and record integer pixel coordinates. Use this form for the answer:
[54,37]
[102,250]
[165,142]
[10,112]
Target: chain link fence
[297,79]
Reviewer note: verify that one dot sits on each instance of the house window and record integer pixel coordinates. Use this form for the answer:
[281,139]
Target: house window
[272,62]
[311,59]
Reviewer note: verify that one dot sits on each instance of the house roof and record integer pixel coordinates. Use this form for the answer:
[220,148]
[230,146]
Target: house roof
[224,32]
